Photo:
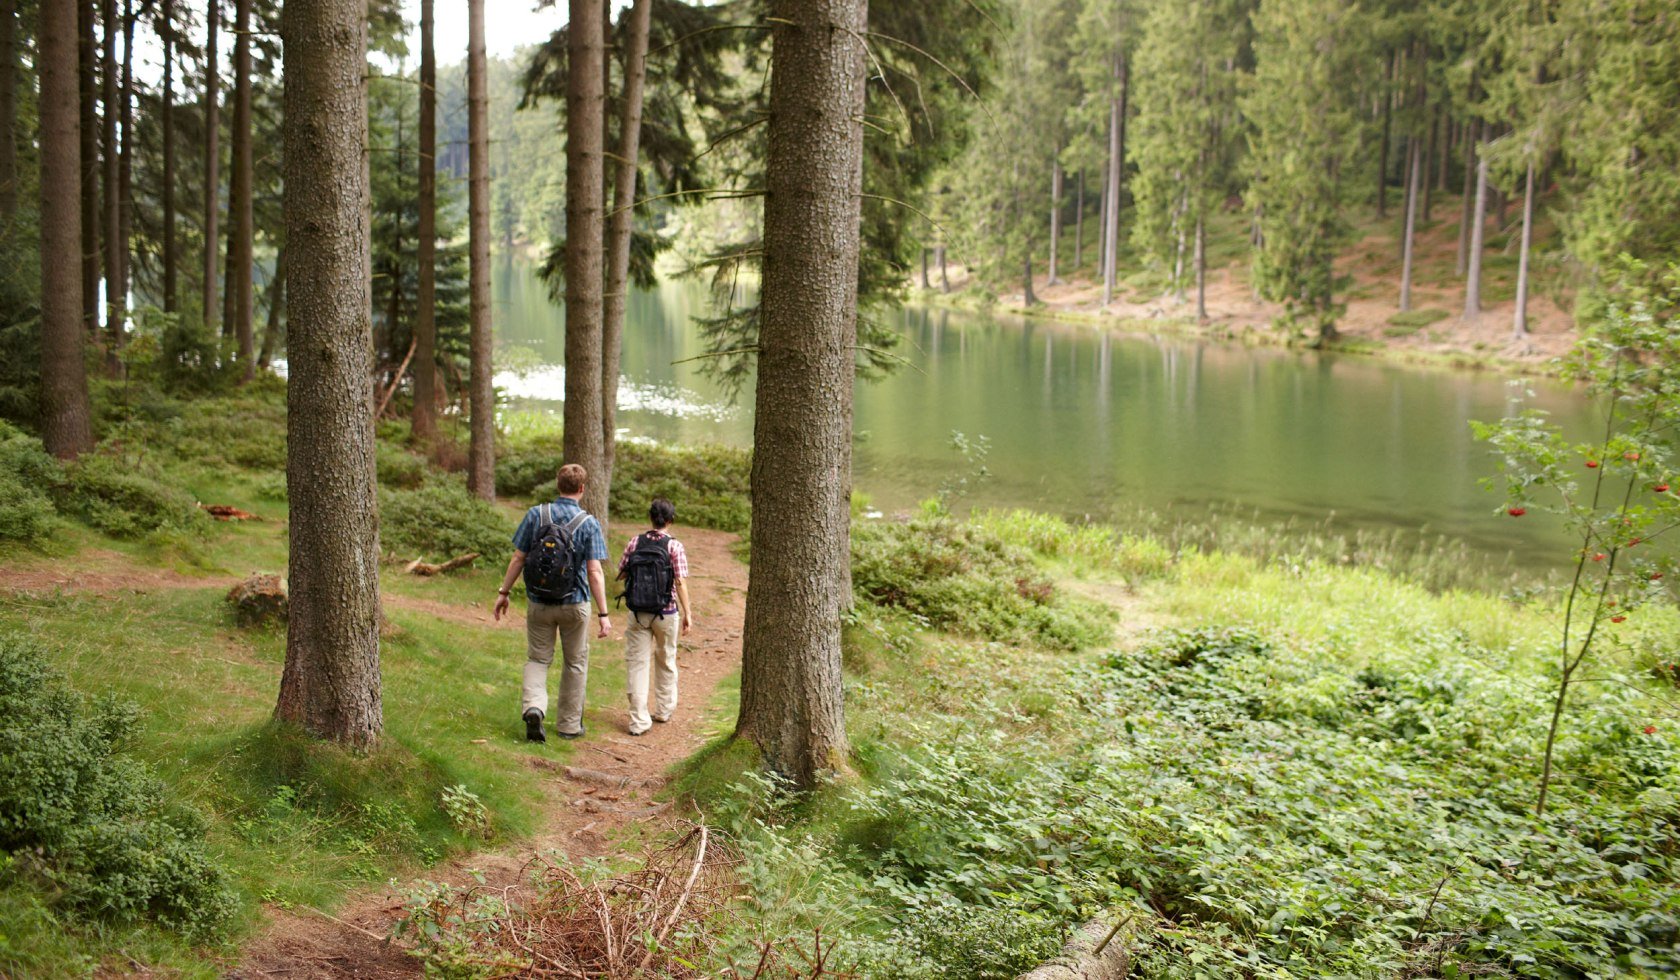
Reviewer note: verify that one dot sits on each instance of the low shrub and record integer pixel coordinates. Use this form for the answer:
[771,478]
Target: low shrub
[125,498]
[440,519]
[27,474]
[1413,320]
[93,825]
[963,577]
[710,485]
[399,468]
[1088,546]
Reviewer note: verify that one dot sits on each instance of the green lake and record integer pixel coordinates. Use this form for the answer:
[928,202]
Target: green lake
[1089,423]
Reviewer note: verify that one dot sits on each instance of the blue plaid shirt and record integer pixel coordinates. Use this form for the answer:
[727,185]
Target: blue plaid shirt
[588,540]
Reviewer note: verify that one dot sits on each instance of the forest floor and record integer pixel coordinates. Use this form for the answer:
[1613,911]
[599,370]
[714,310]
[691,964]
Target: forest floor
[1434,331]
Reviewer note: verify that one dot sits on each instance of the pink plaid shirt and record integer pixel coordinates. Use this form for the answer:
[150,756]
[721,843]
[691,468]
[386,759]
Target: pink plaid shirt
[679,560]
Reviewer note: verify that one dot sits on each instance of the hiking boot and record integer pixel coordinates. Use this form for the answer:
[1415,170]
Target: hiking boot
[534,726]
[576,734]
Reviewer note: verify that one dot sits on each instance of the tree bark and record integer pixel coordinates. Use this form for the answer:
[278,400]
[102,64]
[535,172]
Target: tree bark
[212,164]
[1478,219]
[1055,219]
[481,446]
[66,421]
[1111,196]
[1407,241]
[8,112]
[87,55]
[276,296]
[800,583]
[925,283]
[944,275]
[239,192]
[585,113]
[1466,199]
[1387,123]
[171,273]
[1201,270]
[1028,297]
[125,163]
[1429,158]
[424,418]
[110,221]
[617,292]
[1519,322]
[330,684]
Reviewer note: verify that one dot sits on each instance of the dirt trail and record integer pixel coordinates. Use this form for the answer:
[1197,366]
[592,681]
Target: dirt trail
[584,817]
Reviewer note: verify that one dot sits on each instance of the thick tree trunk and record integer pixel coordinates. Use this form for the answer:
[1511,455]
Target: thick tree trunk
[88,139]
[424,416]
[330,684]
[944,275]
[1478,221]
[1519,322]
[212,165]
[1387,125]
[1201,270]
[110,224]
[240,255]
[800,583]
[620,226]
[481,447]
[925,284]
[171,272]
[1079,222]
[66,426]
[275,295]
[1466,200]
[8,112]
[585,112]
[125,163]
[1055,219]
[1028,297]
[1111,195]
[1429,157]
[1407,241]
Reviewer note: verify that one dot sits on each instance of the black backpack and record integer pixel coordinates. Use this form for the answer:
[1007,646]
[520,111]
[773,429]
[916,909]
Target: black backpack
[648,576]
[553,569]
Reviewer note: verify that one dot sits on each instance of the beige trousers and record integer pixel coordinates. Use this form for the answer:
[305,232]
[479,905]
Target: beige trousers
[571,623]
[650,637]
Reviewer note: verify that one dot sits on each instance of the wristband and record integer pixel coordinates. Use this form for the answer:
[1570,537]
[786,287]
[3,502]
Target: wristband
[502,592]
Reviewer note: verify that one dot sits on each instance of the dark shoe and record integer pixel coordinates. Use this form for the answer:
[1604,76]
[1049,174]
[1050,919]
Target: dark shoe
[638,734]
[534,726]
[576,734]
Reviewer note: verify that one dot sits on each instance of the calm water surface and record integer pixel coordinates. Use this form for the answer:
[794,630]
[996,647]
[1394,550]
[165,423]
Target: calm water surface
[1082,423]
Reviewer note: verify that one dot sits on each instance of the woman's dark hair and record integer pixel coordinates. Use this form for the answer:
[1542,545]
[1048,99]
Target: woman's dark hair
[661,512]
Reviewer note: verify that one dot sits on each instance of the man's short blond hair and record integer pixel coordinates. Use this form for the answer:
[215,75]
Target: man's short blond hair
[571,479]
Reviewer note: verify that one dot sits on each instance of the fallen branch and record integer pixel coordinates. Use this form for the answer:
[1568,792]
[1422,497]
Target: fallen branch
[1096,951]
[682,900]
[402,369]
[418,567]
[224,512]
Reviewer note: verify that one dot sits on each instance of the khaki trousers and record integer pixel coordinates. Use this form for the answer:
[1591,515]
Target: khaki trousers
[571,623]
[650,637]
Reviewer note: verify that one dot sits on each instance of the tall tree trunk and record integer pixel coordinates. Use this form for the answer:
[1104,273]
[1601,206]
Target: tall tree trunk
[800,582]
[125,163]
[1111,196]
[212,163]
[275,295]
[1519,322]
[1055,219]
[1478,221]
[66,421]
[1383,147]
[481,446]
[8,112]
[925,284]
[171,273]
[1435,149]
[1201,269]
[240,255]
[110,225]
[1028,297]
[585,112]
[944,276]
[330,684]
[88,59]
[1407,242]
[617,295]
[1466,199]
[425,317]
[1079,222]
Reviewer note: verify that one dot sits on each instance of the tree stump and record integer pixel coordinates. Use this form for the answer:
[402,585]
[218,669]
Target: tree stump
[259,600]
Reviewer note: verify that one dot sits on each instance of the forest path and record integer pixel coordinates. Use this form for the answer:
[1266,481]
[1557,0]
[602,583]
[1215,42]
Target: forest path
[585,819]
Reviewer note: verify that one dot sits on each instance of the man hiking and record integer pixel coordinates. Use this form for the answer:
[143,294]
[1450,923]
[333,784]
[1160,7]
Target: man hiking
[654,570]
[559,549]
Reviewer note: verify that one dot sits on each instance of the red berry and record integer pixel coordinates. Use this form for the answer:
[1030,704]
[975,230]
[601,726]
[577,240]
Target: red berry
[1599,556]
[1650,729]
[1517,511]
[1661,488]
[1592,464]
[1655,576]
[1618,619]
[1631,457]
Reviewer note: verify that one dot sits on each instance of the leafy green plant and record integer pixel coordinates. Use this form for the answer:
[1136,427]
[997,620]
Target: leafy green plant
[1614,495]
[26,475]
[465,810]
[440,518]
[126,497]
